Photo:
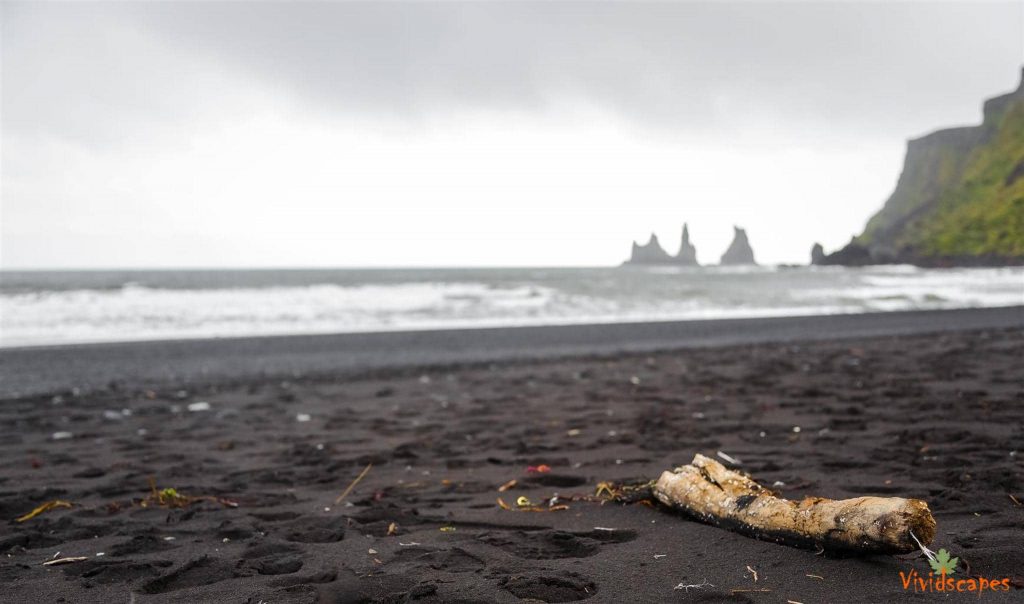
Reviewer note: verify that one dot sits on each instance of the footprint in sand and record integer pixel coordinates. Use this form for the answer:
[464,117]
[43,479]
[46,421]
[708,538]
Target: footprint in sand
[272,558]
[455,560]
[115,571]
[553,587]
[140,544]
[204,570]
[326,575]
[328,529]
[552,544]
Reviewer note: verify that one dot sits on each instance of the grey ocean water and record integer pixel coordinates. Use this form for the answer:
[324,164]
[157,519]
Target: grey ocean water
[49,307]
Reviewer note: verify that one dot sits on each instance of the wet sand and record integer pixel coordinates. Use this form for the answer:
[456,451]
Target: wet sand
[45,369]
[934,416]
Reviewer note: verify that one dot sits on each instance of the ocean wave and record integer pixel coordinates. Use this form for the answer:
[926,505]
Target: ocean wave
[412,300]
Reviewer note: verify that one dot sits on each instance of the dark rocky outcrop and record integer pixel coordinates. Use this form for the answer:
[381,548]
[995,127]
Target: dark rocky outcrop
[817,254]
[652,252]
[959,200]
[739,251]
[853,254]
[649,253]
[687,255]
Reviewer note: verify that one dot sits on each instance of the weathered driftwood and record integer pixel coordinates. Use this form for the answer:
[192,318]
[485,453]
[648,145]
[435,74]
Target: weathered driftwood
[710,492]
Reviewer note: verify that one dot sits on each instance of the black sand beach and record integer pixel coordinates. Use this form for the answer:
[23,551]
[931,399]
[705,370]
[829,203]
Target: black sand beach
[46,369]
[926,405]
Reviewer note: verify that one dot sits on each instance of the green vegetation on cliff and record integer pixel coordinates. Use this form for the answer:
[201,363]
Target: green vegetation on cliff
[984,214]
[959,200]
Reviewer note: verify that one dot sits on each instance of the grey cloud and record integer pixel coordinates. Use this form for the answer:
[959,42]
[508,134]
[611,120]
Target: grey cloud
[680,67]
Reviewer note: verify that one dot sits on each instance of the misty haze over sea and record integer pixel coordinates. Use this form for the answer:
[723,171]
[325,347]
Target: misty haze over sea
[38,308]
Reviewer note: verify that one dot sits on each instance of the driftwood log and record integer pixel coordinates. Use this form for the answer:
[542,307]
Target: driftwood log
[708,491]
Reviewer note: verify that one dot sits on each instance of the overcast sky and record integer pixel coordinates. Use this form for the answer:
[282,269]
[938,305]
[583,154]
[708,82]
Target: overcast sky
[188,134]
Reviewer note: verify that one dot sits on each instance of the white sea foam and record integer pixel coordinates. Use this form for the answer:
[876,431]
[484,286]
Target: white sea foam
[48,309]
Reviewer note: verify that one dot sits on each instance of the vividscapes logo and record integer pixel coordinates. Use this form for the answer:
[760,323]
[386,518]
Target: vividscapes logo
[941,579]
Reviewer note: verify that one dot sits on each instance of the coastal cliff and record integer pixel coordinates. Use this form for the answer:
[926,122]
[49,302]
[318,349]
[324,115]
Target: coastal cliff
[959,200]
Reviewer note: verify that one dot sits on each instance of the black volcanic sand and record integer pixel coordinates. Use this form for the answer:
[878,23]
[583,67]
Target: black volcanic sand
[936,417]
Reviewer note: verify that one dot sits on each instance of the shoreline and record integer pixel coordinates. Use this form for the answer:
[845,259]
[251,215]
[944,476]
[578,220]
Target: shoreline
[41,370]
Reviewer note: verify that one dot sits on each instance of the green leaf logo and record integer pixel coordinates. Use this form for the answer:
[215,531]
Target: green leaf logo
[943,564]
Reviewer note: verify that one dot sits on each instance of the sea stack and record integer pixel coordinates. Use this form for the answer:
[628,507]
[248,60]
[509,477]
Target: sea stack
[739,251]
[817,254]
[649,253]
[687,255]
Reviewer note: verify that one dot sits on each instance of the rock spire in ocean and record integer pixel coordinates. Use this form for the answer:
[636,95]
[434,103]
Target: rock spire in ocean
[687,255]
[739,251]
[817,254]
[652,252]
[649,253]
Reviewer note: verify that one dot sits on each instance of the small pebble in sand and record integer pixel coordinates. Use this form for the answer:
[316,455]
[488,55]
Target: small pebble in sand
[634,380]
[303,417]
[225,540]
[763,434]
[142,431]
[199,406]
[371,551]
[61,435]
[112,415]
[168,538]
[796,428]
[573,432]
[778,483]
